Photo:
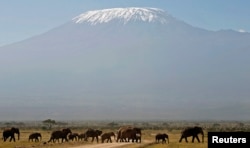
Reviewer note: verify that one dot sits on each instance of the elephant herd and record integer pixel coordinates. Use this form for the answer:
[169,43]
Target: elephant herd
[187,132]
[123,134]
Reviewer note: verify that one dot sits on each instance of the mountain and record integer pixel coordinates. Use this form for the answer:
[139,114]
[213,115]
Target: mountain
[123,15]
[127,63]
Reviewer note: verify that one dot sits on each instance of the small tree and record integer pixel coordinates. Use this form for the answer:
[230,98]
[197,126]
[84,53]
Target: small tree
[49,123]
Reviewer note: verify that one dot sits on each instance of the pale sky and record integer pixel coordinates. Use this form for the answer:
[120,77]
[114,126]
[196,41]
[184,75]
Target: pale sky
[20,20]
[205,81]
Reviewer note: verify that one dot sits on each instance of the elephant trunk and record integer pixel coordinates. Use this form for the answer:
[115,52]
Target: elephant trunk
[202,133]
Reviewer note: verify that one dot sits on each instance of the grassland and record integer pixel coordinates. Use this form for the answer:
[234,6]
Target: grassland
[150,129]
[147,141]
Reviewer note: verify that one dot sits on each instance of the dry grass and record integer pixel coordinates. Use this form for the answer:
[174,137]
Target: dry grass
[147,141]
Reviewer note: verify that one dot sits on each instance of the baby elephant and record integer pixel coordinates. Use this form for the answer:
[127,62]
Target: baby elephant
[107,136]
[162,137]
[73,136]
[35,136]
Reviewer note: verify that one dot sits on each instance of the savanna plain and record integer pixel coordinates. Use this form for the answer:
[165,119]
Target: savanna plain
[149,130]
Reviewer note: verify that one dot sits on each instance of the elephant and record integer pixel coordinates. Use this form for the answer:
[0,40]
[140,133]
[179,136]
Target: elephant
[92,133]
[56,135]
[73,136]
[81,136]
[107,136]
[35,136]
[162,137]
[192,131]
[128,133]
[11,133]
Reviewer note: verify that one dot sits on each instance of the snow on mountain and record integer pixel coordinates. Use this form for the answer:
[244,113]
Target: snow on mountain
[123,14]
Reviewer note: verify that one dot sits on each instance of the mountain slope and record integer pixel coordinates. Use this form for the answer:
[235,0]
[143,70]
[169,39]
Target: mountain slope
[141,62]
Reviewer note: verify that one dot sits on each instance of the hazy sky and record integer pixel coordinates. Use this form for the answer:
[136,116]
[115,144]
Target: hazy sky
[163,80]
[22,19]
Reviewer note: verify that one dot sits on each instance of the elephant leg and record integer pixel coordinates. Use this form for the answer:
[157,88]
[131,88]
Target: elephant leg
[193,139]
[181,139]
[134,139]
[186,139]
[13,138]
[97,140]
[197,138]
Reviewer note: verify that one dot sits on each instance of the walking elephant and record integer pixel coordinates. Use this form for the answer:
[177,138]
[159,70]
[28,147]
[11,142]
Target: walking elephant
[11,133]
[162,137]
[92,133]
[127,133]
[35,136]
[73,136]
[60,134]
[81,136]
[192,131]
[107,136]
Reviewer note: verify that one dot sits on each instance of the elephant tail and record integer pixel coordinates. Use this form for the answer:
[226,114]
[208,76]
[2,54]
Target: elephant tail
[202,137]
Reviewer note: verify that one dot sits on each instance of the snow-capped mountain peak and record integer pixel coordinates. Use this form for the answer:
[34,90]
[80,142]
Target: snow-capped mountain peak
[123,15]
